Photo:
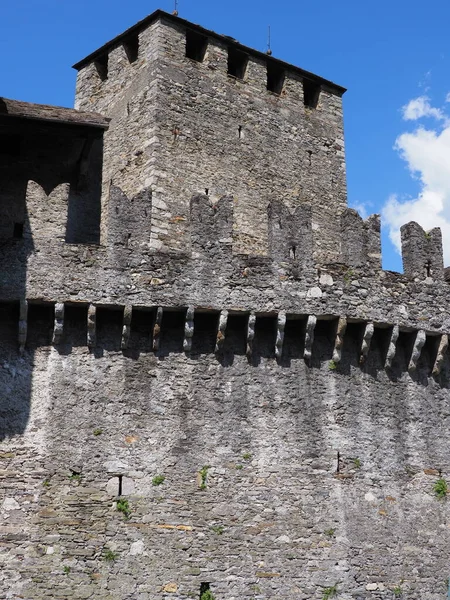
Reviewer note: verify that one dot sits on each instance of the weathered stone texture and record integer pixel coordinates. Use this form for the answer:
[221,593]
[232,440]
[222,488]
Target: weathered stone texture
[216,388]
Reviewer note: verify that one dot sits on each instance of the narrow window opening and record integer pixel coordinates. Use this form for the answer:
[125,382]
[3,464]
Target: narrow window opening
[18,231]
[275,78]
[120,477]
[10,145]
[101,64]
[204,587]
[207,191]
[196,45]
[240,131]
[237,63]
[311,93]
[292,252]
[131,47]
[338,466]
[428,268]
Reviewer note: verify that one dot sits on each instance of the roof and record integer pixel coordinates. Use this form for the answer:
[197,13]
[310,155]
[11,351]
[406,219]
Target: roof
[56,114]
[158,14]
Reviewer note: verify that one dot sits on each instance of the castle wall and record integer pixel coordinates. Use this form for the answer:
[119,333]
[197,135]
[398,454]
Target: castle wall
[184,127]
[227,391]
[315,476]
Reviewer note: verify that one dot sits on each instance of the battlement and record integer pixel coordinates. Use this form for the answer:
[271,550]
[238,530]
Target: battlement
[52,219]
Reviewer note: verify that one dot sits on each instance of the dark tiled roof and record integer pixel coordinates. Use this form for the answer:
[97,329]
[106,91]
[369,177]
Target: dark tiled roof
[141,25]
[57,114]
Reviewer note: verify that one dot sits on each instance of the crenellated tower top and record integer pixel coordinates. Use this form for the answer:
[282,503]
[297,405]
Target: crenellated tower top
[196,112]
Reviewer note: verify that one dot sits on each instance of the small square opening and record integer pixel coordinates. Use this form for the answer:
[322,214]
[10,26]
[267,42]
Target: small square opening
[101,64]
[311,93]
[196,45]
[237,63]
[18,231]
[131,47]
[275,78]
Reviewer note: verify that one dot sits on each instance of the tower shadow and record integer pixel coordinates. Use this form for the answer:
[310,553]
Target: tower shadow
[50,190]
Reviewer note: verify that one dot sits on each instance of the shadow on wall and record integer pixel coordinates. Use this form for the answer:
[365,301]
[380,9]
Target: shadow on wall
[50,190]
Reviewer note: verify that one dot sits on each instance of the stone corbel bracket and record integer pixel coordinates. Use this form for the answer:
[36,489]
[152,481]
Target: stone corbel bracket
[392,347]
[157,328]
[23,325]
[366,341]
[443,345]
[220,340]
[92,326]
[417,349]
[339,342]
[309,337]
[188,329]
[281,324]
[250,334]
[58,326]
[126,327]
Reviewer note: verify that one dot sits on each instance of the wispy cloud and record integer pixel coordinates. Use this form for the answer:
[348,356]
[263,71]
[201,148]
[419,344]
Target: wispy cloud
[420,107]
[426,152]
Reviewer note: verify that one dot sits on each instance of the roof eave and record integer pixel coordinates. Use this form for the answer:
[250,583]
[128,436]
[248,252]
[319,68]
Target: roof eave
[144,23]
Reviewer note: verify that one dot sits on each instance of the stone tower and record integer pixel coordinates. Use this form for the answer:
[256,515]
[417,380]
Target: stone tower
[196,112]
[207,382]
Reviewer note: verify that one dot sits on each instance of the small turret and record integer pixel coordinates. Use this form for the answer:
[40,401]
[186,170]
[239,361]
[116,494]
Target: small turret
[422,252]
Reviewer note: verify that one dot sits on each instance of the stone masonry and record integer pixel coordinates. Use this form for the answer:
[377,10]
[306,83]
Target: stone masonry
[206,379]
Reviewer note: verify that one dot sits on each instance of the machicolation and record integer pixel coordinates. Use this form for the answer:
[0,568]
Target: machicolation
[209,388]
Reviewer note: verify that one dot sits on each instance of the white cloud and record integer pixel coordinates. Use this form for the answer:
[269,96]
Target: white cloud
[421,107]
[447,97]
[427,155]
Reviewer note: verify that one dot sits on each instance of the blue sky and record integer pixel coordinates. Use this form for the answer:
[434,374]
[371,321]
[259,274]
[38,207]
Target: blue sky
[394,58]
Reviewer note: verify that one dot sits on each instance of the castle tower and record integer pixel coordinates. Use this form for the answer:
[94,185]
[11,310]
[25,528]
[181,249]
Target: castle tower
[196,112]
